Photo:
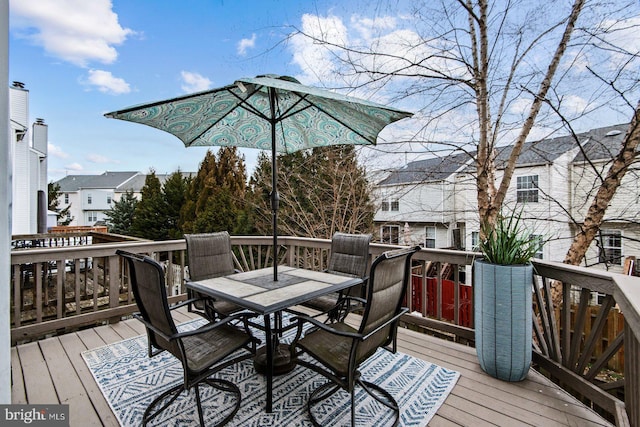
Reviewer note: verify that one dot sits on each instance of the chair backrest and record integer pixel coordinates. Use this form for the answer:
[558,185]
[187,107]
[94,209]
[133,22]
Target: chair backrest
[146,277]
[349,254]
[388,279]
[209,255]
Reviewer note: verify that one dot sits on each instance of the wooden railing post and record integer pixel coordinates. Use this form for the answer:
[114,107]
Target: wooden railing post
[632,375]
[114,283]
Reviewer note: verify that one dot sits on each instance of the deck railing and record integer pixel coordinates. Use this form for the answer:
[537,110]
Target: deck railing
[59,289]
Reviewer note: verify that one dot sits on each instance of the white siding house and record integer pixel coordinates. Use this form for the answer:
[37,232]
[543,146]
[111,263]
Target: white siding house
[620,234]
[29,169]
[91,196]
[416,204]
[553,185]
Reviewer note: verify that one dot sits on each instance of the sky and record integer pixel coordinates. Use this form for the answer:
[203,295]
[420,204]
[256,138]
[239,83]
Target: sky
[80,59]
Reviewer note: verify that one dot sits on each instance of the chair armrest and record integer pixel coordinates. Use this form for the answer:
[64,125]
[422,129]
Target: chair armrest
[395,318]
[211,326]
[304,318]
[185,302]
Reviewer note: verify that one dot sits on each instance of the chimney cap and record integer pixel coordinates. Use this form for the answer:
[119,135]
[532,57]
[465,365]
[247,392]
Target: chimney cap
[18,85]
[39,121]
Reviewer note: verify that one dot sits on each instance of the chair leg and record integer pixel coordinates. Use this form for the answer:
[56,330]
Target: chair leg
[383,398]
[376,392]
[353,407]
[199,404]
[220,384]
[148,415]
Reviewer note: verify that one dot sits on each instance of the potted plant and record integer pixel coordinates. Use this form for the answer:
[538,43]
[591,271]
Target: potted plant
[503,280]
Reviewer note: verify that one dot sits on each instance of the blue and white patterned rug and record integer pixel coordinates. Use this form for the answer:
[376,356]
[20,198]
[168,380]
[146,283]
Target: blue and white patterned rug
[129,380]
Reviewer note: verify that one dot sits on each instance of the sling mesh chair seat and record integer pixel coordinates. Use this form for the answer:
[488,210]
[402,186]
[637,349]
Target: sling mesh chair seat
[349,257]
[209,256]
[202,352]
[340,348]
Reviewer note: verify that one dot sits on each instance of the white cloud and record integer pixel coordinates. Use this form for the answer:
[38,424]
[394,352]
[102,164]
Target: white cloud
[520,106]
[574,104]
[245,44]
[56,151]
[77,31]
[97,158]
[105,82]
[315,60]
[194,82]
[366,26]
[74,167]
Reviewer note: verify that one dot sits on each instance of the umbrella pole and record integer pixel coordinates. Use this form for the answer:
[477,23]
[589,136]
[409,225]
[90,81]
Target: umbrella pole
[275,197]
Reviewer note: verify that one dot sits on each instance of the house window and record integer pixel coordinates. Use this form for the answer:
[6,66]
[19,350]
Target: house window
[390,234]
[395,205]
[385,206]
[538,238]
[611,246]
[66,199]
[89,199]
[527,188]
[92,216]
[109,199]
[475,240]
[430,237]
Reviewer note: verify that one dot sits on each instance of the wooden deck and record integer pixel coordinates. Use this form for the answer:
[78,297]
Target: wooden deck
[52,371]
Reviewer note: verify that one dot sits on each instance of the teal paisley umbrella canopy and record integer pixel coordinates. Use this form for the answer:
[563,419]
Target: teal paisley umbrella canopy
[268,112]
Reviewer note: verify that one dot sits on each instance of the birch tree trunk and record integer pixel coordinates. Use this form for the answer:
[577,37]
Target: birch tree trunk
[490,199]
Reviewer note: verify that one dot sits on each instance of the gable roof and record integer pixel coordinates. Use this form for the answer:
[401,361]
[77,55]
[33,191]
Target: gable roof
[603,143]
[428,170]
[598,144]
[544,151]
[136,183]
[106,180]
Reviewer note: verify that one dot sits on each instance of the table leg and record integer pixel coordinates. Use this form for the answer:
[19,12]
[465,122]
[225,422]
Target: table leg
[269,344]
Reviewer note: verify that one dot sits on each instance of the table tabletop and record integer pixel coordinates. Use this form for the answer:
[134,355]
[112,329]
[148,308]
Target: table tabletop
[257,291]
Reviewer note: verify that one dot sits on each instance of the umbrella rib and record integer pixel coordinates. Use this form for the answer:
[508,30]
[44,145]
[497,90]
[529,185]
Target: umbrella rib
[246,105]
[344,124]
[241,104]
[290,113]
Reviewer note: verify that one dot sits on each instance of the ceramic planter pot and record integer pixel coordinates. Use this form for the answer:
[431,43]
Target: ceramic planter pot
[503,319]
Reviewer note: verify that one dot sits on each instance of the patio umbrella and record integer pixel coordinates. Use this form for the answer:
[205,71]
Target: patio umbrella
[268,112]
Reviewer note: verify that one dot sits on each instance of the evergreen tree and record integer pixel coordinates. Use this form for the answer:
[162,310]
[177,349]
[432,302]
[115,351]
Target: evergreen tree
[53,196]
[149,220]
[120,216]
[174,192]
[216,195]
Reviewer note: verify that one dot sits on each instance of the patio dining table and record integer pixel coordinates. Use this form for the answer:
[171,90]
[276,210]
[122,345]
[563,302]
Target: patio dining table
[257,291]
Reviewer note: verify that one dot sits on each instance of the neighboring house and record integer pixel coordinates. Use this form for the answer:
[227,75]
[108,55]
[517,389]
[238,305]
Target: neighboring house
[435,202]
[417,204]
[91,196]
[29,166]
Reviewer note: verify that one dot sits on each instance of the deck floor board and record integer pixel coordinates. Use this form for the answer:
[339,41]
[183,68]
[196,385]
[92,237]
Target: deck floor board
[53,371]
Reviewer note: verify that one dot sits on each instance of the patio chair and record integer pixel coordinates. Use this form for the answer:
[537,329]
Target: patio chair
[210,256]
[340,348]
[349,257]
[203,352]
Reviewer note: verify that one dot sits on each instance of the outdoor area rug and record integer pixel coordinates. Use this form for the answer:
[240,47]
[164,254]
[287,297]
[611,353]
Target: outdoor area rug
[130,380]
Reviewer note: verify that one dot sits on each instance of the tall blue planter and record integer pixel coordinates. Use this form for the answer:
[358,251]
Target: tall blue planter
[503,323]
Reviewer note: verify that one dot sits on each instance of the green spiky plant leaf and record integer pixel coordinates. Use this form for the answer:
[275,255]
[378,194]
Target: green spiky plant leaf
[508,242]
